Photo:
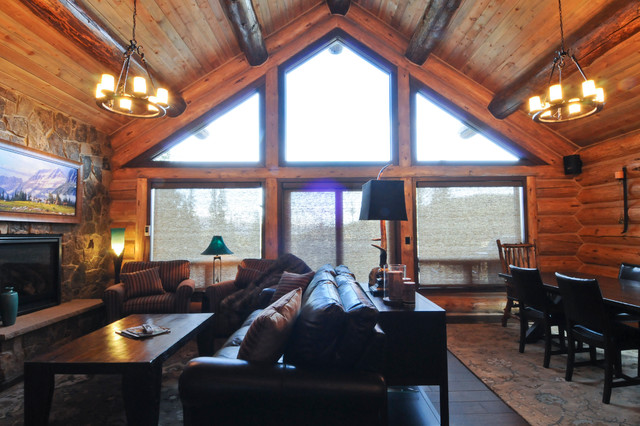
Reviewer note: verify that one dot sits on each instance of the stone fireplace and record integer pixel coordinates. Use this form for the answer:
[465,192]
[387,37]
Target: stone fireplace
[31,264]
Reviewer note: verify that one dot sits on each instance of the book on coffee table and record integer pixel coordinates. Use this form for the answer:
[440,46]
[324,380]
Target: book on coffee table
[144,330]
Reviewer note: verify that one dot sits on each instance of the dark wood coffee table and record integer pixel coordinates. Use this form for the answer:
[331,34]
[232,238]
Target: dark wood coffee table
[105,352]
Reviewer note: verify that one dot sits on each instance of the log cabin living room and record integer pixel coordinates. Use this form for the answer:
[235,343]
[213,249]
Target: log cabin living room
[172,164]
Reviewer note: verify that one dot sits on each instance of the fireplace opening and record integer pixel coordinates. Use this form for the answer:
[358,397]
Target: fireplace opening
[31,264]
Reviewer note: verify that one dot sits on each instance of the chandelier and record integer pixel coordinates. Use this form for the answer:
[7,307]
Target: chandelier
[557,106]
[131,97]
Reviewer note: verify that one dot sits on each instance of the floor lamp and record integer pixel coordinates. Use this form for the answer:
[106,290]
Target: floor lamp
[383,200]
[217,247]
[117,245]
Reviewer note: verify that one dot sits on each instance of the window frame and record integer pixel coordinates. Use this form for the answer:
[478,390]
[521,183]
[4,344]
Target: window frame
[416,87]
[520,181]
[258,86]
[316,185]
[195,184]
[367,54]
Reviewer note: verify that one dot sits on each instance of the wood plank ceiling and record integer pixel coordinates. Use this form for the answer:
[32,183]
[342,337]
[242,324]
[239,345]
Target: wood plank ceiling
[55,50]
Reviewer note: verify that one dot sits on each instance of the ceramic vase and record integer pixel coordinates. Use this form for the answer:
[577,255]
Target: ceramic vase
[8,306]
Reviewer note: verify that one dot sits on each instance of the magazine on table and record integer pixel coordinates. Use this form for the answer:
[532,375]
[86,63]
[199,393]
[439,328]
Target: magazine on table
[144,330]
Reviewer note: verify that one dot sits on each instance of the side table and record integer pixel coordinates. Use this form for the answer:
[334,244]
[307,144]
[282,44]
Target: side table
[416,346]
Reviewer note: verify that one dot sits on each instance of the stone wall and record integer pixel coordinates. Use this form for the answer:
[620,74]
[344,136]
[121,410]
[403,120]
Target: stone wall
[87,268]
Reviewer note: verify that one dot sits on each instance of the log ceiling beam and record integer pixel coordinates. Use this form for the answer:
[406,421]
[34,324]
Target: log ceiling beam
[246,28]
[426,36]
[616,23]
[339,7]
[84,29]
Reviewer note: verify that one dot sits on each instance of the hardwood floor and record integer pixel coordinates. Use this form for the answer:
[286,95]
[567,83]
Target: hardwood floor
[470,402]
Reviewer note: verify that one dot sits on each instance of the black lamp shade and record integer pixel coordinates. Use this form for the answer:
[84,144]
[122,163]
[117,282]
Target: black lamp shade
[383,200]
[217,247]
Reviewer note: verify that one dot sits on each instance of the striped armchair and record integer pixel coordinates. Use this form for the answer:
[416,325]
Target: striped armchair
[174,295]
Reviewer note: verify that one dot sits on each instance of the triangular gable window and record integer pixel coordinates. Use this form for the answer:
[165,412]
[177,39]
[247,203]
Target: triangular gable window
[337,104]
[440,136]
[233,137]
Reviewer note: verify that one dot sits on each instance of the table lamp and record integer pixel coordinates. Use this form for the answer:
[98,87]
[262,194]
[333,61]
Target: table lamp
[217,247]
[383,200]
[117,245]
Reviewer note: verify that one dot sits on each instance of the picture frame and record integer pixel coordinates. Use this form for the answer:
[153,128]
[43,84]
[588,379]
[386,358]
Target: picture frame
[38,187]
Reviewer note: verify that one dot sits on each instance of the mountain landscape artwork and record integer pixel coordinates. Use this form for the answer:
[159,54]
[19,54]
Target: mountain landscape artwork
[35,185]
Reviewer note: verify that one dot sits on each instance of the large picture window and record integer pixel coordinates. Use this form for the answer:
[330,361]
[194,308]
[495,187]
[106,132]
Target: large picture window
[337,106]
[321,225]
[184,219]
[457,228]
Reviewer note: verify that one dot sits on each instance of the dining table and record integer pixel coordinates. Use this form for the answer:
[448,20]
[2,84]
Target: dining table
[619,294]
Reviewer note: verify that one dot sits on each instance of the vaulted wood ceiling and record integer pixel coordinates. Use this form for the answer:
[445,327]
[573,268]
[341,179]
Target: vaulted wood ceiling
[55,50]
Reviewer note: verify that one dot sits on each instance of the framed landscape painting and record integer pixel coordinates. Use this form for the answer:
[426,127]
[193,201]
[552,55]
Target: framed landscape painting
[38,187]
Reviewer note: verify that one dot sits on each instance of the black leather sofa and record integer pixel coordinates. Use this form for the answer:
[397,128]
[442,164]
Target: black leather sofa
[329,374]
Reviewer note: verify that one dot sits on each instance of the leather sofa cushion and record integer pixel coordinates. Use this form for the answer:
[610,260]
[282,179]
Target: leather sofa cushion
[318,328]
[265,340]
[142,283]
[362,317]
[321,277]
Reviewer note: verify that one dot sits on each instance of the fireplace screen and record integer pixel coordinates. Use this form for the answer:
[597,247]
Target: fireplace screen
[31,265]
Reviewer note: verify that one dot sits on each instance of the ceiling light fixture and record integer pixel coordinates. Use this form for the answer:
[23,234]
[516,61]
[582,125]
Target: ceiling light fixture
[132,99]
[556,107]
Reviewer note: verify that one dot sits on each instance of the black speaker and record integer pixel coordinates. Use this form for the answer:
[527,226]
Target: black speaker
[572,164]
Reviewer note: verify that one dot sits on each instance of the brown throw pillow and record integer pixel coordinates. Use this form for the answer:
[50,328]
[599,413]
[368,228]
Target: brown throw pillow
[267,335]
[290,281]
[245,276]
[142,283]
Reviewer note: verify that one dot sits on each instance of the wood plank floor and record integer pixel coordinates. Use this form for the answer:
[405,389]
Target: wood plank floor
[470,402]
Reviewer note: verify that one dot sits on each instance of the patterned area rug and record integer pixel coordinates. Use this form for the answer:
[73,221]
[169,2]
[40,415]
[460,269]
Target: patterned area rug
[541,395]
[97,399]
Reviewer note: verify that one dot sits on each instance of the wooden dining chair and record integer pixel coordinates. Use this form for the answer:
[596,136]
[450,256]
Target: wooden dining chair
[522,255]
[629,272]
[588,321]
[538,307]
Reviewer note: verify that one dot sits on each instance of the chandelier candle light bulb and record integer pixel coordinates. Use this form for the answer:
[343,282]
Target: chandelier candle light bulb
[554,108]
[140,101]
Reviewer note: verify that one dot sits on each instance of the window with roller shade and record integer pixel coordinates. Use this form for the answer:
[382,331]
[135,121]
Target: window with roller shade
[321,225]
[185,219]
[457,227]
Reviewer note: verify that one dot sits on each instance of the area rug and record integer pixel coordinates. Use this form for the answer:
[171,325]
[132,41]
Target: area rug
[541,395]
[80,399]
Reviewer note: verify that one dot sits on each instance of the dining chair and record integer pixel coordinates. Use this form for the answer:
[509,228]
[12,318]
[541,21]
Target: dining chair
[629,272]
[519,254]
[537,306]
[590,322]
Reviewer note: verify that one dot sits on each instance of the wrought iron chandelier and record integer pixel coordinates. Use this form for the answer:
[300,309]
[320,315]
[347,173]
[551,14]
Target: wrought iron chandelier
[131,97]
[557,106]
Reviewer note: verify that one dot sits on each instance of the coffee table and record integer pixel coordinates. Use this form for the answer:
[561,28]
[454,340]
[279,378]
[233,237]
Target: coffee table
[106,352]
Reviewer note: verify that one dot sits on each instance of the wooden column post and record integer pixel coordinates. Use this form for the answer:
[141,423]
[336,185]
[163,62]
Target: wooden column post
[142,209]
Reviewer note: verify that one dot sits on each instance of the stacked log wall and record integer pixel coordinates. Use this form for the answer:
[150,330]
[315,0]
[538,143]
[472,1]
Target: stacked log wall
[604,244]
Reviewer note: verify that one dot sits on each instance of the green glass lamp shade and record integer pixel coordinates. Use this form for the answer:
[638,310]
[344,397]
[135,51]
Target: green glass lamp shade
[217,247]
[117,240]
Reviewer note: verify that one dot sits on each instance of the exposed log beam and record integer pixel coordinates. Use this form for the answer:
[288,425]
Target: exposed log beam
[435,19]
[246,29]
[339,7]
[83,28]
[615,24]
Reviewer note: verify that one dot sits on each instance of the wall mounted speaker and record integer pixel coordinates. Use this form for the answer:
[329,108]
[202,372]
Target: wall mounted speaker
[572,164]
